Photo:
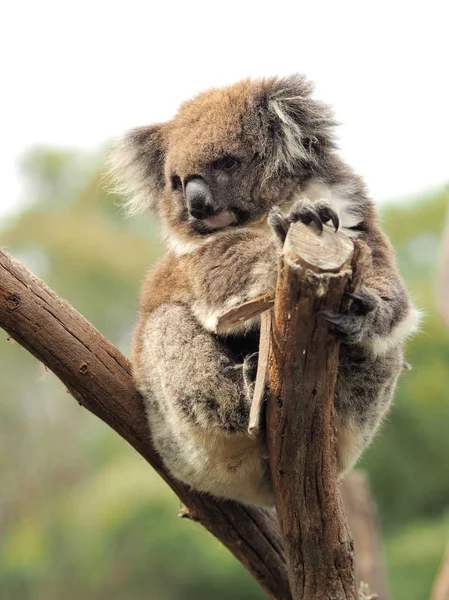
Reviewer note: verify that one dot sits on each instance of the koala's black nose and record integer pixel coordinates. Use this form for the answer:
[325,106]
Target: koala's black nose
[199,198]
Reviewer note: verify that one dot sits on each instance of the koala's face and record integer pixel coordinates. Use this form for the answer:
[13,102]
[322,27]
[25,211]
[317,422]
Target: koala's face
[214,163]
[227,157]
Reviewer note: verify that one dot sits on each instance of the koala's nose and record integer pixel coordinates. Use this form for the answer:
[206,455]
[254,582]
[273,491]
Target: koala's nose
[199,198]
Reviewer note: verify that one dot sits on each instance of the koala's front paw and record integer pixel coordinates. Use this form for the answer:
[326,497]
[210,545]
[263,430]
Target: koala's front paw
[319,213]
[351,327]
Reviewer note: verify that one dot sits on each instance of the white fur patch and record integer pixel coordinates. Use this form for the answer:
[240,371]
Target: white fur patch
[291,150]
[302,120]
[129,177]
[208,316]
[179,246]
[405,328]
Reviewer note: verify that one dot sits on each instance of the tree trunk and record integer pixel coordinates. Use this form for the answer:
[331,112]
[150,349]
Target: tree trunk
[300,415]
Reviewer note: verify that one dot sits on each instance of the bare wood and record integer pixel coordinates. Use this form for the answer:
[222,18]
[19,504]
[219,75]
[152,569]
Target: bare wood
[256,412]
[98,376]
[248,310]
[440,589]
[364,527]
[302,371]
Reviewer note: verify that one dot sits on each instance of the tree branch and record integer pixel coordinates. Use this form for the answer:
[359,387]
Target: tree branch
[98,376]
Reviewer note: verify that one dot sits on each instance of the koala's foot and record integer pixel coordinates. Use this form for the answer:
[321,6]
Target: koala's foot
[351,326]
[307,212]
[250,373]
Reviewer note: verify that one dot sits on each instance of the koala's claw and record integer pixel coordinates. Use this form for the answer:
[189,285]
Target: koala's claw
[279,223]
[349,327]
[362,302]
[316,212]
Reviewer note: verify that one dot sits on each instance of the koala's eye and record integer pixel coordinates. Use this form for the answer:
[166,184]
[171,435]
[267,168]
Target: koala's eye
[226,163]
[176,183]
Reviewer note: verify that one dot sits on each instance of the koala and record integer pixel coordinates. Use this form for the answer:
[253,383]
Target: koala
[225,178]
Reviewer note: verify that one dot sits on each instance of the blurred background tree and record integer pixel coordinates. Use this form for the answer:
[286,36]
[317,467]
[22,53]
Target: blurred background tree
[82,515]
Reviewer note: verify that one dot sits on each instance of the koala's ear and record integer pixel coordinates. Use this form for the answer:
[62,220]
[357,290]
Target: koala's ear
[299,126]
[136,167]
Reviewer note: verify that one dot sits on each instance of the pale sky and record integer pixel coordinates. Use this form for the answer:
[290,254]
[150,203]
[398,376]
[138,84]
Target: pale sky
[75,74]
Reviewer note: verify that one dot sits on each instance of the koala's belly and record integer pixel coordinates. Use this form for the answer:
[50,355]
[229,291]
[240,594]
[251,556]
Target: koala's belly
[230,466]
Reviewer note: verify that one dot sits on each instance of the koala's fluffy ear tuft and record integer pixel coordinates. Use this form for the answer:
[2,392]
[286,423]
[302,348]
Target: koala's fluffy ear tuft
[301,127]
[136,166]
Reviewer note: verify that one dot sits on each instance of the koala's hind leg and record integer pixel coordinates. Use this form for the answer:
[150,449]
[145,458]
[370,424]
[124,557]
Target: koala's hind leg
[198,402]
[189,373]
[364,391]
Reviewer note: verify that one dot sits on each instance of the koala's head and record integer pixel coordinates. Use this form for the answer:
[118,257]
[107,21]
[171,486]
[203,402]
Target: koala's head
[227,157]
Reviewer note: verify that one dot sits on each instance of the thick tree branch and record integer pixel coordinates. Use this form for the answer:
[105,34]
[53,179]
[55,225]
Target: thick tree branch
[98,376]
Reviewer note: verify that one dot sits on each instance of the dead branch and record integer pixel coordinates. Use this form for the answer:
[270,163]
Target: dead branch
[98,376]
[364,528]
[243,312]
[303,366]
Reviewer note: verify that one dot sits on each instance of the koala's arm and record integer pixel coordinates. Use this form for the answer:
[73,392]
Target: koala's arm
[370,366]
[394,317]
[236,267]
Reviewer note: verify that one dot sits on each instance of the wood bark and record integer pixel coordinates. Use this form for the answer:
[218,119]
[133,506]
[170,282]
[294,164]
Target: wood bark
[303,366]
[364,527]
[99,377]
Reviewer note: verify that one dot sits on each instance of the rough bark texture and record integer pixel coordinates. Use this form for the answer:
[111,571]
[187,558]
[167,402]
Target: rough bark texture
[364,528]
[98,376]
[302,372]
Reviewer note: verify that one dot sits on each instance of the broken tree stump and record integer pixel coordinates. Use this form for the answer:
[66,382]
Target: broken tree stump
[303,364]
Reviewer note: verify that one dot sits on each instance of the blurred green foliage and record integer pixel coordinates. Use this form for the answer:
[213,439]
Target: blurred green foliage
[82,515]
